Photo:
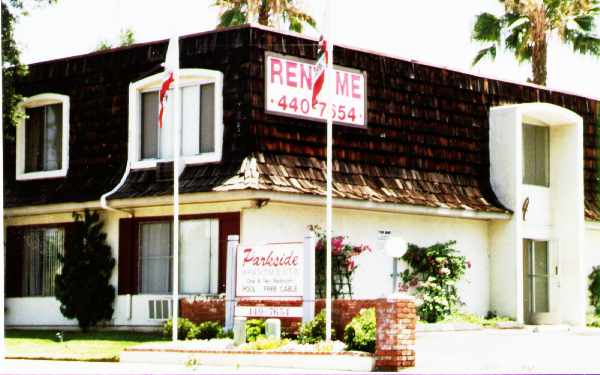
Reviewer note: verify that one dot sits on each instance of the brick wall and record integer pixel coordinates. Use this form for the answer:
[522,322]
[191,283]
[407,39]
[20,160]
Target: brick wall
[202,310]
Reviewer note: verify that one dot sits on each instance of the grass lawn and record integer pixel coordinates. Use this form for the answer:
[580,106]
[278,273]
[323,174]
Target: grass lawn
[461,317]
[79,346]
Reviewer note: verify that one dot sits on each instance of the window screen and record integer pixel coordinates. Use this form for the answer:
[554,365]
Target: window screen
[198,257]
[155,258]
[43,138]
[536,155]
[197,123]
[41,248]
[150,125]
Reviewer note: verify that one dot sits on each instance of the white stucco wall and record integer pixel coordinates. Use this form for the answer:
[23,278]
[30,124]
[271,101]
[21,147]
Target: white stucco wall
[592,253]
[286,222]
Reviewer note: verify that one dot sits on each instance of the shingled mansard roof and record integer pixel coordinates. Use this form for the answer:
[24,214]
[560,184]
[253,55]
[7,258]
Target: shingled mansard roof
[426,142]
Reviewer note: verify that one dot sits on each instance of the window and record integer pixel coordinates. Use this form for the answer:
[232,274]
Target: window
[198,257]
[41,249]
[42,137]
[201,119]
[536,155]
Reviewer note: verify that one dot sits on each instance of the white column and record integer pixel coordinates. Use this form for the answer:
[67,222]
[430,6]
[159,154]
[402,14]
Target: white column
[308,305]
[232,244]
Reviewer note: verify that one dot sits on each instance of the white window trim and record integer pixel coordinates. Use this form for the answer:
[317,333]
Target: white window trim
[38,101]
[187,77]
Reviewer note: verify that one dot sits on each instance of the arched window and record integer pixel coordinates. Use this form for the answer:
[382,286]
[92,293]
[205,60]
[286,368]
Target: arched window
[201,119]
[43,137]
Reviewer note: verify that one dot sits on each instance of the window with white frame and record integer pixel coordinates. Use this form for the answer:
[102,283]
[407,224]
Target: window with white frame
[41,250]
[43,137]
[198,257]
[201,119]
[536,155]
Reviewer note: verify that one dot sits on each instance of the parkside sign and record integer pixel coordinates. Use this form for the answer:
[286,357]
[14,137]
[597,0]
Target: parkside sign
[288,86]
[271,270]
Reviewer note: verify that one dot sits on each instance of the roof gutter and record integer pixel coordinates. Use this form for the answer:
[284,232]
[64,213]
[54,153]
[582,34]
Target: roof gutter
[126,206]
[311,200]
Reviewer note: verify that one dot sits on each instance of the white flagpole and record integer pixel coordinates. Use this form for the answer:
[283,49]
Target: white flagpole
[329,200]
[176,151]
[2,250]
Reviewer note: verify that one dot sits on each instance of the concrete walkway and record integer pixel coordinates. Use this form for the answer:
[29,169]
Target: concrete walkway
[15,366]
[516,351]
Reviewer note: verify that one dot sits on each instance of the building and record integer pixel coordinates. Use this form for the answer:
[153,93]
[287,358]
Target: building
[507,170]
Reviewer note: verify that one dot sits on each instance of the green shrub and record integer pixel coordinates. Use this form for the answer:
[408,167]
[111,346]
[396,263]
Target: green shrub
[184,326]
[83,285]
[254,329]
[225,334]
[432,275]
[594,289]
[263,343]
[360,333]
[205,331]
[313,331]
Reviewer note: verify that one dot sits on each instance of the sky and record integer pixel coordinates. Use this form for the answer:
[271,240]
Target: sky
[435,32]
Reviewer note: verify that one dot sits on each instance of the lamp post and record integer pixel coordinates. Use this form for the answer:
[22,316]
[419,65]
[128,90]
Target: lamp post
[395,247]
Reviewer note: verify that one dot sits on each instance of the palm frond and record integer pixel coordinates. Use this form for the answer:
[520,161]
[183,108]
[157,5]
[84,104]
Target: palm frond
[487,28]
[585,43]
[585,22]
[232,17]
[490,51]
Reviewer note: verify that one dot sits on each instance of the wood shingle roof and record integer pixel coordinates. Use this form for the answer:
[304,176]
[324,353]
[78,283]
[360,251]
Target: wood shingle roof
[426,142]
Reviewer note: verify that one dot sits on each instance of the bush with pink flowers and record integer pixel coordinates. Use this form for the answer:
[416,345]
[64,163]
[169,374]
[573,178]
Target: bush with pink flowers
[343,264]
[432,275]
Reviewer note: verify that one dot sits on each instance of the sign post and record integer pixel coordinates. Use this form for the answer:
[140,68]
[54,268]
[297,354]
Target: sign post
[232,244]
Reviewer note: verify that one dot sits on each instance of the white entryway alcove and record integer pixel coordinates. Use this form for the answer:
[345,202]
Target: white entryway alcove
[537,257]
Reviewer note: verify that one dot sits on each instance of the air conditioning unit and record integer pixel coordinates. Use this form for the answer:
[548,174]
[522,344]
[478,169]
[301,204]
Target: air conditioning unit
[160,309]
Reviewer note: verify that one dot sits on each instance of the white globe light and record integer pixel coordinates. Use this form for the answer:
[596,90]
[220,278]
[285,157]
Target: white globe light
[395,247]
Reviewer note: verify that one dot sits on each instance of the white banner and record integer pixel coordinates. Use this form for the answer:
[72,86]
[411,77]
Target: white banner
[288,91]
[271,270]
[269,311]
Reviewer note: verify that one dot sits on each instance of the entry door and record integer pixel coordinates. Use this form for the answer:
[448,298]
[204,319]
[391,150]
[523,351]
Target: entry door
[536,275]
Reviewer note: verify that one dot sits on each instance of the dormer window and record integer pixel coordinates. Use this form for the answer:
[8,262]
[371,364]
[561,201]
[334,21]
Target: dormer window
[43,137]
[201,119]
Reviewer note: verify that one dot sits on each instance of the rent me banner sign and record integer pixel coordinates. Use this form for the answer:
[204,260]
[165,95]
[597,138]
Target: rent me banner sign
[288,91]
[270,270]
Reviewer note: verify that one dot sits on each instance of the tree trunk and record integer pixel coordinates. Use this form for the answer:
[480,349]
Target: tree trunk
[263,13]
[539,60]
[540,48]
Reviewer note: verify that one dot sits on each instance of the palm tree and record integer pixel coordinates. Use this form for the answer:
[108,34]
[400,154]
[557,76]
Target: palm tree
[527,25]
[266,12]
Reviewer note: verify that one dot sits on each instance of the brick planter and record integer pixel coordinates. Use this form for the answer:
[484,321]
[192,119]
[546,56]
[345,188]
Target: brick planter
[396,323]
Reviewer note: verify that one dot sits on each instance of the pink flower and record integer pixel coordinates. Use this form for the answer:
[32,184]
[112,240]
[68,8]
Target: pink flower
[403,288]
[337,245]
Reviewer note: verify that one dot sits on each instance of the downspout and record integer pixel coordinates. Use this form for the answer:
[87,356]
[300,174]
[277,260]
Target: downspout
[104,203]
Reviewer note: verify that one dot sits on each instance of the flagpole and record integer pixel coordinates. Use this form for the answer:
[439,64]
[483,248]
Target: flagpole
[176,156]
[329,200]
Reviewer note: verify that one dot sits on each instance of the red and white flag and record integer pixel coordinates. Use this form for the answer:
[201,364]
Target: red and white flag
[320,68]
[171,66]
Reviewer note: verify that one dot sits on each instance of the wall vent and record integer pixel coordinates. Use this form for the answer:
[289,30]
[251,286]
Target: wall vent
[159,309]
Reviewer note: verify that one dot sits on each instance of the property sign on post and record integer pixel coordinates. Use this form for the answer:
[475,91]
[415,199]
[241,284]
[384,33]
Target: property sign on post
[270,270]
[288,91]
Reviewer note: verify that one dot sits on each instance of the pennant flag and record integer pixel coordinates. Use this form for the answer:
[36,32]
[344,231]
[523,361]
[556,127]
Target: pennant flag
[319,72]
[171,65]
